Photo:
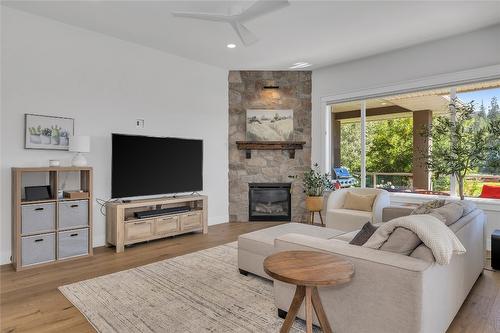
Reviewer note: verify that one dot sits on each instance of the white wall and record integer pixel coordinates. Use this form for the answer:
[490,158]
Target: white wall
[430,63]
[105,84]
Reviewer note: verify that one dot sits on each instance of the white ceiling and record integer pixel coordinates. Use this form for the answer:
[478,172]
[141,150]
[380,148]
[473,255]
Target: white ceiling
[318,32]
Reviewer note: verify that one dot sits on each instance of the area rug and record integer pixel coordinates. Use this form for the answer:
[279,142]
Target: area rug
[198,292]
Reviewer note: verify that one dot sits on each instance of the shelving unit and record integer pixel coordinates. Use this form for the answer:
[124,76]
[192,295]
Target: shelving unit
[55,229]
[123,228]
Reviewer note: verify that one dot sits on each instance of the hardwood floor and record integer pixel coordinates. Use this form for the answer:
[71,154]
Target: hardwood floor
[30,300]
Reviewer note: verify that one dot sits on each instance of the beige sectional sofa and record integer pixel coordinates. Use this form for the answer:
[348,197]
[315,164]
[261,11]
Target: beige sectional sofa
[389,292]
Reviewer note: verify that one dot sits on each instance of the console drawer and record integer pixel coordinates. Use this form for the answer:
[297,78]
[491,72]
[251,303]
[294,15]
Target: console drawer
[38,249]
[73,214]
[165,225]
[191,221]
[138,230]
[38,218]
[73,243]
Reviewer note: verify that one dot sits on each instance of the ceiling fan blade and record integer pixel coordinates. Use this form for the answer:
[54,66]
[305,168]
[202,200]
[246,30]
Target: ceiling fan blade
[262,7]
[204,16]
[246,36]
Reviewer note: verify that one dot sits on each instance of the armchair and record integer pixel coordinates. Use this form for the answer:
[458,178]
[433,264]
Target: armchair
[347,220]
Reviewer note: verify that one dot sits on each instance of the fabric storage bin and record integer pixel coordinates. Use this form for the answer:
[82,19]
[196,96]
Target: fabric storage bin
[38,249]
[73,214]
[38,218]
[73,243]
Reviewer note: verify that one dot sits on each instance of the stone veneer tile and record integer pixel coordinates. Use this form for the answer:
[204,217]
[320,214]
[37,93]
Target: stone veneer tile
[245,92]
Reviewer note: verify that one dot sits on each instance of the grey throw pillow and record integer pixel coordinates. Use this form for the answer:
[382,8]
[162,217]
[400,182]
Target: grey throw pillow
[364,234]
[451,212]
[402,241]
[426,207]
[423,252]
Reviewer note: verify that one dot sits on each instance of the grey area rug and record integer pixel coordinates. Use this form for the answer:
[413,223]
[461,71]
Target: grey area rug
[198,292]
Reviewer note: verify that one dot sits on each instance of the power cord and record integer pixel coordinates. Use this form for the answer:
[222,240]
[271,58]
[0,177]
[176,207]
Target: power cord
[102,203]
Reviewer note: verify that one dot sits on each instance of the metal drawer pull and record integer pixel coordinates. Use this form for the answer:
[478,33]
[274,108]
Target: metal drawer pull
[74,206]
[40,208]
[39,240]
[73,235]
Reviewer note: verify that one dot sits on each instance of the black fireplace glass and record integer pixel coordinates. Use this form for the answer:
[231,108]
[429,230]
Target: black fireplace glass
[269,202]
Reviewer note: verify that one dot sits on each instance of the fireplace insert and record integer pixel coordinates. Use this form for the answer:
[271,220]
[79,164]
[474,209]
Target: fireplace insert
[269,202]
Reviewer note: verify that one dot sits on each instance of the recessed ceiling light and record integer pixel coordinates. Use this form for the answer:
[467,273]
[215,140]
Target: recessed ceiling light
[298,65]
[231,46]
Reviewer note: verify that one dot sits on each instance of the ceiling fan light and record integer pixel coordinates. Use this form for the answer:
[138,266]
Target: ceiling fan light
[231,46]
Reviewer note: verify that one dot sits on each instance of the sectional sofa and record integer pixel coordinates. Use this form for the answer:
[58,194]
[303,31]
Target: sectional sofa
[389,292]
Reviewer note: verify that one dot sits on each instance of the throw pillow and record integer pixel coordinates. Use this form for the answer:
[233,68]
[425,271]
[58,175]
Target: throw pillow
[364,234]
[467,205]
[424,253]
[359,202]
[402,241]
[426,207]
[451,212]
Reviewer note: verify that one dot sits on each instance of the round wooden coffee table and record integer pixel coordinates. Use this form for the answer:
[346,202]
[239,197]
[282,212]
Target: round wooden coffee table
[308,270]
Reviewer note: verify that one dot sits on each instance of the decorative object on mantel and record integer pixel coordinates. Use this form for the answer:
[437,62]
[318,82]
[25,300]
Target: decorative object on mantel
[79,144]
[315,184]
[291,146]
[269,125]
[47,132]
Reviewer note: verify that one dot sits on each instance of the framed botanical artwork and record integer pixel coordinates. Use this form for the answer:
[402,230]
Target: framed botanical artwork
[269,125]
[47,132]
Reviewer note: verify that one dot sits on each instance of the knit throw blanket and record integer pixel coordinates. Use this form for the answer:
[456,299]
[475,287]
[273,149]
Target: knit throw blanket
[434,234]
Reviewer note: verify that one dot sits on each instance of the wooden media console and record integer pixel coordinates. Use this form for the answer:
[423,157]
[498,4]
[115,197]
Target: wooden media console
[123,228]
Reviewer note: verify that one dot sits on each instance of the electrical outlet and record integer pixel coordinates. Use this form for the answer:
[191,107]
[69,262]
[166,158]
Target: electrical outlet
[139,123]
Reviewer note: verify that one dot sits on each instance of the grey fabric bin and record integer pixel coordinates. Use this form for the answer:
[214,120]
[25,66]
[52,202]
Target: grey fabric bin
[73,243]
[73,214]
[38,218]
[38,249]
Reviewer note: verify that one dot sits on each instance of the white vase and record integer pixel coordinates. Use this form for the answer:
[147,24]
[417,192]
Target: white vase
[35,138]
[63,141]
[55,140]
[45,139]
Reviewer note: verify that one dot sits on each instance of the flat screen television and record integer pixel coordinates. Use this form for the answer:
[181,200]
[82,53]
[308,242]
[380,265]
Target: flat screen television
[145,165]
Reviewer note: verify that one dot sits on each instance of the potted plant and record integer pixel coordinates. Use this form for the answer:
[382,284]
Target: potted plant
[55,135]
[315,184]
[46,134]
[63,138]
[460,146]
[35,133]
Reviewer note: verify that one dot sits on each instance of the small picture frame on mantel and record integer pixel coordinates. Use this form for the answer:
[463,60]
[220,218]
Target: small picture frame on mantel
[47,132]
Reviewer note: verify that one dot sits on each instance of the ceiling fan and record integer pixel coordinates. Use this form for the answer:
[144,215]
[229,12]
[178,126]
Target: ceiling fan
[236,20]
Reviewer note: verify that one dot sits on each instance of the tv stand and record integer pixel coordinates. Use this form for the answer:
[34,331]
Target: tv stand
[124,228]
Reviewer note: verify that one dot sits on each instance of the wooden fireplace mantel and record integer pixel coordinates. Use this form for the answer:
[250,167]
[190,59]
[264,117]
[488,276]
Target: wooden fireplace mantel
[290,146]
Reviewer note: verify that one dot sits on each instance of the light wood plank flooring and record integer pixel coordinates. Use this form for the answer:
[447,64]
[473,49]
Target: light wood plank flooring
[30,301]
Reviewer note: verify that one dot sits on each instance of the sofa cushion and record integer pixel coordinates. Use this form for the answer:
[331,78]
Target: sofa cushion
[364,234]
[348,236]
[426,207]
[451,212]
[262,241]
[467,205]
[424,253]
[359,202]
[402,241]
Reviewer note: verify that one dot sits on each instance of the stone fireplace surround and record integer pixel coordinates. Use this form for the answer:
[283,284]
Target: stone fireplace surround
[246,92]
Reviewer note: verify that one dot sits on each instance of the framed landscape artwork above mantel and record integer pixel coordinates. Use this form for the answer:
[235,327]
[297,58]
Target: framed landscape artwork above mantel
[269,125]
[47,132]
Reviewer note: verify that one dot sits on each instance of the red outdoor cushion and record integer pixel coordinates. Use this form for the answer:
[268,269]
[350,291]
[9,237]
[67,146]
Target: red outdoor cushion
[490,191]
